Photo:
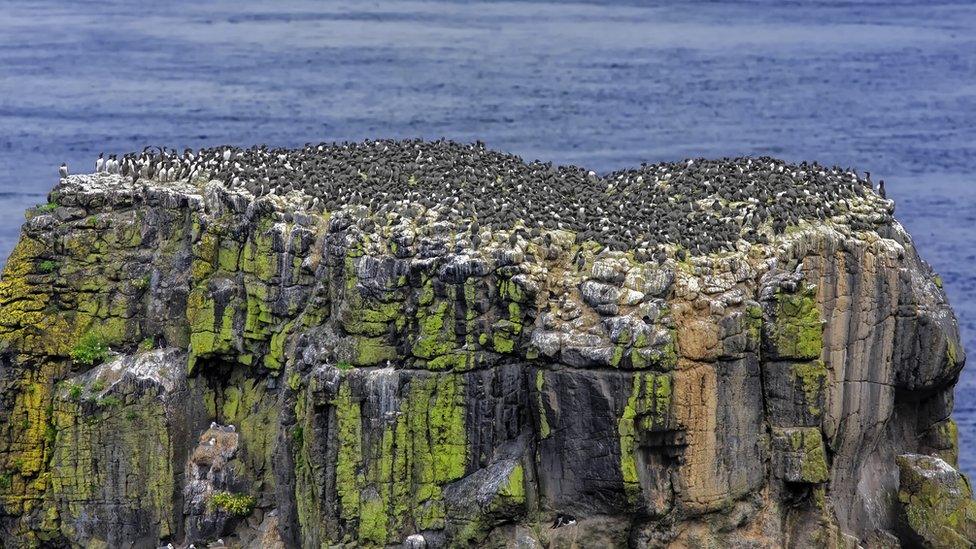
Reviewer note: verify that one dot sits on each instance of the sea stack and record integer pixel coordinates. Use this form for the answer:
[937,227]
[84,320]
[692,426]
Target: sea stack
[433,344]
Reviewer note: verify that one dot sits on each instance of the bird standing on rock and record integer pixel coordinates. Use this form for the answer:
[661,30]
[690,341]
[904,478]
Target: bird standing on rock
[63,170]
[563,520]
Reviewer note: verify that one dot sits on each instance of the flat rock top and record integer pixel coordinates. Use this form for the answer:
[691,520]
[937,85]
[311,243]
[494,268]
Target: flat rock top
[697,206]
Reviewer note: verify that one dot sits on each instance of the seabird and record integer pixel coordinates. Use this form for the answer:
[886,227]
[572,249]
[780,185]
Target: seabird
[63,170]
[563,520]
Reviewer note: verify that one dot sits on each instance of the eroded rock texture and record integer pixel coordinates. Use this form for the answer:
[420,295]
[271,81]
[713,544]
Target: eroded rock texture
[284,378]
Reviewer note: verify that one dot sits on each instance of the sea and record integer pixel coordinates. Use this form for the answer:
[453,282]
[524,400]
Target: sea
[888,87]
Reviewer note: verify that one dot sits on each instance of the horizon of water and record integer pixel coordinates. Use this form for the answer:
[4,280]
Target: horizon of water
[888,87]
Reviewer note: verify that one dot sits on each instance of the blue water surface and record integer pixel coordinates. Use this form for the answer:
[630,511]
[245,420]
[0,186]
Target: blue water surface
[888,87]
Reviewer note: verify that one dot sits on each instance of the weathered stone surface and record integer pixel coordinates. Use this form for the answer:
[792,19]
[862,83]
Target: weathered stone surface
[278,376]
[799,455]
[937,501]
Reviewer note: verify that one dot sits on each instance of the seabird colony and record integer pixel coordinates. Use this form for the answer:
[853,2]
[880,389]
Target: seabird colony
[695,206]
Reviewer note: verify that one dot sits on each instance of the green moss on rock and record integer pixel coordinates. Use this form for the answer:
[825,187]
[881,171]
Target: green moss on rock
[647,410]
[800,455]
[544,429]
[240,505]
[797,331]
[393,477]
[350,455]
[812,378]
[937,502]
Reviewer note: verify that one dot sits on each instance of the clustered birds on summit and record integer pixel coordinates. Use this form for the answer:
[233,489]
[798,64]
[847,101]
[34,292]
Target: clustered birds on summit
[703,206]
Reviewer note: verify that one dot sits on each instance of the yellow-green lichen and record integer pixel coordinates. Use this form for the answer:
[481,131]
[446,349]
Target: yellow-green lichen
[938,506]
[798,329]
[372,351]
[647,409]
[812,377]
[275,358]
[240,505]
[544,429]
[807,444]
[432,338]
[754,319]
[350,437]
[395,480]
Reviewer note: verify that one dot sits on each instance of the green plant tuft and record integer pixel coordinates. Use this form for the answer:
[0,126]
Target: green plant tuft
[142,283]
[344,365]
[90,350]
[146,345]
[109,401]
[49,207]
[74,391]
[47,266]
[239,505]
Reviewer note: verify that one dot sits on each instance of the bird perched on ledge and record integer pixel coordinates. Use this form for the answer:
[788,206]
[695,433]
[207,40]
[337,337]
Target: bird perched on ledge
[563,520]
[63,170]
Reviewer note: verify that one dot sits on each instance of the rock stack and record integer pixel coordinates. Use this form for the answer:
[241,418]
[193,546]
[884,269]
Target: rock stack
[431,344]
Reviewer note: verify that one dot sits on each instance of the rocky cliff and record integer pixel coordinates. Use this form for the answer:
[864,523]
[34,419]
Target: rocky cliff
[186,358]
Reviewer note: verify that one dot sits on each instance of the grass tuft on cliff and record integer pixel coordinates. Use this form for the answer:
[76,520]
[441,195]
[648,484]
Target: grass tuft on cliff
[90,350]
[240,505]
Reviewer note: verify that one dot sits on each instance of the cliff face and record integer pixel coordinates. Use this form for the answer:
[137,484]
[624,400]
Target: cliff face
[282,377]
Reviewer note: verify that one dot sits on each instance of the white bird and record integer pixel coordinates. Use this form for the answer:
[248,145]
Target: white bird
[100,163]
[63,170]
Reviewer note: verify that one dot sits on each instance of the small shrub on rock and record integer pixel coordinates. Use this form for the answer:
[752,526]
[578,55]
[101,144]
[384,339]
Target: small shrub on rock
[239,505]
[90,350]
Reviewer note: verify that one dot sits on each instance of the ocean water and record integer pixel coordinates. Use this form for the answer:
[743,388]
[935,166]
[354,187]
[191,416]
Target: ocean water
[888,87]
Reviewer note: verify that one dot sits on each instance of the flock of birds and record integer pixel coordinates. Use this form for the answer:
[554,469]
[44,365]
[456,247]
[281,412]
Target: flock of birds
[701,206]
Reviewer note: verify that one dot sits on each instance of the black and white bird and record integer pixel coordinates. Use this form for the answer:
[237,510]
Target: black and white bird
[881,189]
[563,520]
[63,170]
[100,163]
